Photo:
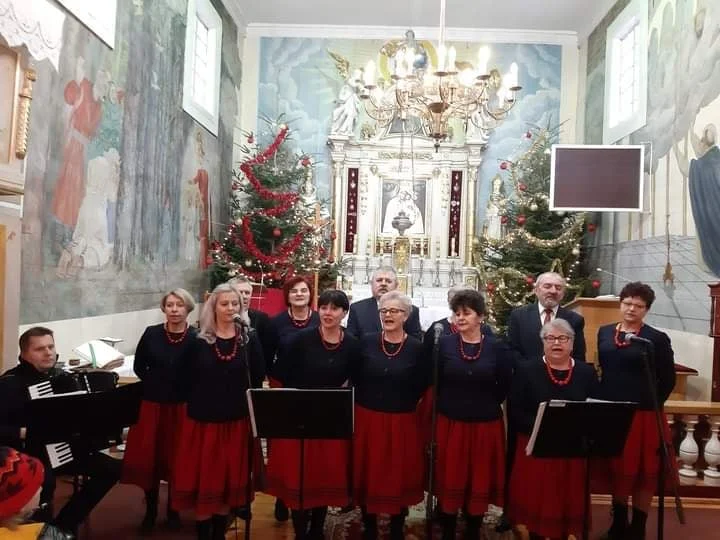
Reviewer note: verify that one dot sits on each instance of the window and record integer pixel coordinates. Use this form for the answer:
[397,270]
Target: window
[203,46]
[626,72]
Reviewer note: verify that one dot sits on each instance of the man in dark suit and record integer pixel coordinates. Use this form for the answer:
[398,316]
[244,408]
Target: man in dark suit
[364,317]
[525,322]
[259,320]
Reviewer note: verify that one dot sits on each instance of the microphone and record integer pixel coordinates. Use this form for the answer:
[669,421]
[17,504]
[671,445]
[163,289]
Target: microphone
[245,330]
[630,337]
[438,329]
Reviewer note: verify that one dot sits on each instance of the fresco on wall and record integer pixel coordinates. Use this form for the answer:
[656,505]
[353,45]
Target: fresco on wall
[120,179]
[299,80]
[674,247]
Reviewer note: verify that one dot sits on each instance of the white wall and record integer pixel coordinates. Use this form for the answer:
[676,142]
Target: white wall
[10,218]
[695,351]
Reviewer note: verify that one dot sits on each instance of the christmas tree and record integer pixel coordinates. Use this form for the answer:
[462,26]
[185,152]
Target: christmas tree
[530,238]
[278,230]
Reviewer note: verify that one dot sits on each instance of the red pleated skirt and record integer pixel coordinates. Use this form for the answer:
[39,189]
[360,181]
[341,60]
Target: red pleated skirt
[637,468]
[388,461]
[326,472]
[470,465]
[547,495]
[211,469]
[152,443]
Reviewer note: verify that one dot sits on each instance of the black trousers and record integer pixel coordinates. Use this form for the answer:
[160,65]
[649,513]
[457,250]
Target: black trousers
[101,473]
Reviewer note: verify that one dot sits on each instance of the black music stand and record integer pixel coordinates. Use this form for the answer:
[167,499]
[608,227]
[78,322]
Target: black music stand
[581,429]
[59,418]
[288,413]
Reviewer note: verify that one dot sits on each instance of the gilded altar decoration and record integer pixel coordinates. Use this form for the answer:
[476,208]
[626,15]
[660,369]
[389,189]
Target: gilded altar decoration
[23,118]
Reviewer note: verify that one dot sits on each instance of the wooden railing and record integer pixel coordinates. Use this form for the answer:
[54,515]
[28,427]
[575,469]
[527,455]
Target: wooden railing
[695,426]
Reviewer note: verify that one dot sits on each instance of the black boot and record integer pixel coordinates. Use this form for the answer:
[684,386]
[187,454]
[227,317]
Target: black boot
[317,523]
[300,524]
[619,526]
[151,508]
[637,527]
[173,516]
[219,526]
[397,527]
[281,511]
[370,526]
[204,529]
[448,522]
[472,527]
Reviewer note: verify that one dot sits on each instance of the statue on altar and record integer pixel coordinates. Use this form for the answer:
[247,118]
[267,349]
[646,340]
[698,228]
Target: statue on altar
[493,224]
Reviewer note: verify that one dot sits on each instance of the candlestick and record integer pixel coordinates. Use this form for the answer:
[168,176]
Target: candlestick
[452,246]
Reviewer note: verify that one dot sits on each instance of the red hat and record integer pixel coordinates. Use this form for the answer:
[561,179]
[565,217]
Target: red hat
[20,478]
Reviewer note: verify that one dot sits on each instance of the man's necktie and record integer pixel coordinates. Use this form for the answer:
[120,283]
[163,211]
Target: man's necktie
[548,315]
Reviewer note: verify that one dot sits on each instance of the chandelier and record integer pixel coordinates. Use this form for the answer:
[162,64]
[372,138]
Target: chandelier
[426,97]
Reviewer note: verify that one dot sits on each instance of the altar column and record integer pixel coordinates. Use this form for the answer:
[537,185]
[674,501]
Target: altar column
[470,197]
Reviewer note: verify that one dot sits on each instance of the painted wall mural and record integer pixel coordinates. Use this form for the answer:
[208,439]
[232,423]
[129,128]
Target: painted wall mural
[674,245]
[122,185]
[299,80]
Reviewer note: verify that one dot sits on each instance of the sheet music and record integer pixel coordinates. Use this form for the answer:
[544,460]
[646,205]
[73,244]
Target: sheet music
[59,454]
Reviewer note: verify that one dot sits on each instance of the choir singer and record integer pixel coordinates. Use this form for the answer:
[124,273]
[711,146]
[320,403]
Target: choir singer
[317,358]
[389,379]
[623,378]
[548,495]
[211,471]
[474,379]
[152,441]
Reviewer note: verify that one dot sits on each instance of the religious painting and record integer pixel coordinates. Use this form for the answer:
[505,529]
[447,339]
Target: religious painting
[404,196]
[120,179]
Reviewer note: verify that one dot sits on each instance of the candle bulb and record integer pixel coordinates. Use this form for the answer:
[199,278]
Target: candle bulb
[452,246]
[355,243]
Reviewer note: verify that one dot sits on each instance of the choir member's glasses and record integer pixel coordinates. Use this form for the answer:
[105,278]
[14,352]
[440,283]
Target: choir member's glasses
[391,311]
[559,339]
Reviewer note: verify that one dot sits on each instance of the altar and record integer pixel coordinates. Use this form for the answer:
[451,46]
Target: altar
[378,179]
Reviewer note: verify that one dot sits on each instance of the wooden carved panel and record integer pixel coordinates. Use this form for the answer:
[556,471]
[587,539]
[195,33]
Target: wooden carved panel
[15,97]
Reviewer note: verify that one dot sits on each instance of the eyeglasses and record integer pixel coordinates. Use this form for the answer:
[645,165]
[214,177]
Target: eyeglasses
[559,339]
[634,304]
[390,311]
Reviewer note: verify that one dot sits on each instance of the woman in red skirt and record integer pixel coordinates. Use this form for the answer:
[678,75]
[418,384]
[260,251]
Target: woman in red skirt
[151,443]
[298,294]
[623,378]
[317,358]
[548,495]
[211,471]
[474,379]
[389,380]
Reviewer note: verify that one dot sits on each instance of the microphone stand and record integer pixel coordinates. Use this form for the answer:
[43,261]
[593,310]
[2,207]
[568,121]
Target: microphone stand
[431,450]
[665,462]
[245,334]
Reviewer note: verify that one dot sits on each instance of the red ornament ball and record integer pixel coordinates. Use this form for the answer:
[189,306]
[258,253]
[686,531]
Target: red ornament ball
[504,220]
[306,161]
[277,233]
[521,220]
[529,280]
[596,283]
[331,259]
[333,235]
[591,227]
[490,287]
[522,187]
[528,135]
[504,165]
[251,138]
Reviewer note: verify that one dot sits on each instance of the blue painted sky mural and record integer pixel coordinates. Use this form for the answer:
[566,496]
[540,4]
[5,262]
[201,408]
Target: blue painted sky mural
[298,79]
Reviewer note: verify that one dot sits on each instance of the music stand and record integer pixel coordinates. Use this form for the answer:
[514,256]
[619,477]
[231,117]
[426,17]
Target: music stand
[581,429]
[58,418]
[288,413]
